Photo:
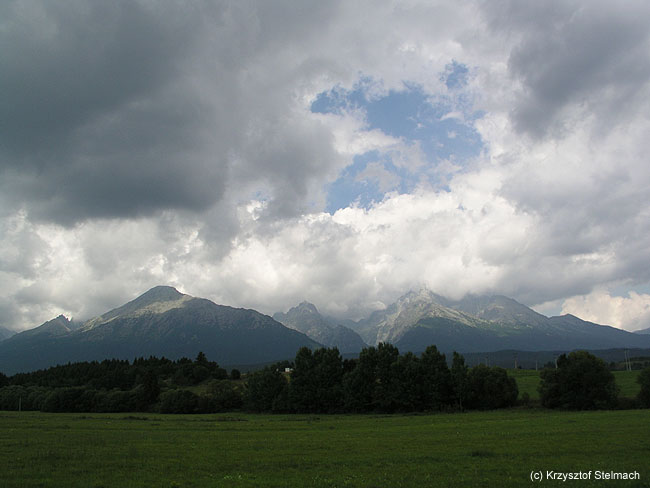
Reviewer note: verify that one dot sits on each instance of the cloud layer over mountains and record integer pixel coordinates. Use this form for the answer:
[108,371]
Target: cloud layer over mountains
[146,143]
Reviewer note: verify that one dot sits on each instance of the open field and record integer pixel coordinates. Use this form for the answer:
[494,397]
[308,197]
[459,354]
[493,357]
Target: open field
[528,381]
[498,448]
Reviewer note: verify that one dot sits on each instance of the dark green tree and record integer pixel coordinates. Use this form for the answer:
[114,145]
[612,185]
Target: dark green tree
[408,388]
[179,401]
[370,386]
[581,382]
[383,398]
[436,379]
[359,383]
[316,381]
[459,373]
[150,387]
[266,391]
[223,396]
[644,395]
[489,388]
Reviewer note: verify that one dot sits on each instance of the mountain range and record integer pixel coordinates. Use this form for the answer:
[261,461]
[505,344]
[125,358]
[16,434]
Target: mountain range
[485,324]
[165,322]
[162,322]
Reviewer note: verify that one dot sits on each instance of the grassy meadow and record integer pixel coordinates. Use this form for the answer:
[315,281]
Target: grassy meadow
[496,448]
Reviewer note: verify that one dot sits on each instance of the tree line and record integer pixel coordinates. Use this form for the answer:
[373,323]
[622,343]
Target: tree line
[380,380]
[146,384]
[319,381]
[316,381]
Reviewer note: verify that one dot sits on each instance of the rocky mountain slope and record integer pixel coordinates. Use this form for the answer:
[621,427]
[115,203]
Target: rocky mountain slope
[5,333]
[306,319]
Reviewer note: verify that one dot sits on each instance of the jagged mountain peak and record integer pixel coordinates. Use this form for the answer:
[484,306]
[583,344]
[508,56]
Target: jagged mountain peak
[161,293]
[60,320]
[390,324]
[304,307]
[421,295]
[497,308]
[57,326]
[305,318]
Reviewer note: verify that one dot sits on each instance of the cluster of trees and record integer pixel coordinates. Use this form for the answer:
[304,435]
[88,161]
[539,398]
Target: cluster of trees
[121,386]
[381,380]
[317,381]
[581,381]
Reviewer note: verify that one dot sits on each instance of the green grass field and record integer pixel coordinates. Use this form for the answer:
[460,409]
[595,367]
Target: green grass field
[498,448]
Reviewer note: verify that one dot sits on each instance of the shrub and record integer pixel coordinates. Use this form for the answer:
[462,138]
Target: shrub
[73,399]
[118,401]
[12,396]
[178,401]
[222,396]
[581,382]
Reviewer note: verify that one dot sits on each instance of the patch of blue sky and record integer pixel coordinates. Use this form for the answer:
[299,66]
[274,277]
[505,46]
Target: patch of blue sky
[456,75]
[412,116]
[355,187]
[349,189]
[624,290]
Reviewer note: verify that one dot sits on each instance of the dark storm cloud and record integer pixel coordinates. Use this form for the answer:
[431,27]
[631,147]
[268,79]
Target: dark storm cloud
[592,56]
[65,63]
[123,109]
[135,161]
[96,119]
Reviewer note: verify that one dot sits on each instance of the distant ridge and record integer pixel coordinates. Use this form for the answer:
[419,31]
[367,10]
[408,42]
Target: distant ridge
[5,333]
[483,324]
[161,322]
[306,319]
[165,322]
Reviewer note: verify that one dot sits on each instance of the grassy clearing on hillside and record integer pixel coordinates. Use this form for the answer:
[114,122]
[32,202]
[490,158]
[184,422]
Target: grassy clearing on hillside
[498,448]
[627,382]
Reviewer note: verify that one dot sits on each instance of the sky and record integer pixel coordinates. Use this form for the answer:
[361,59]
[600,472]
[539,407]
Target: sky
[264,153]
